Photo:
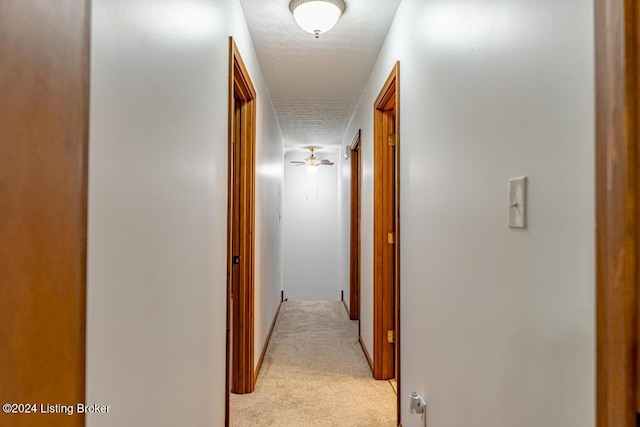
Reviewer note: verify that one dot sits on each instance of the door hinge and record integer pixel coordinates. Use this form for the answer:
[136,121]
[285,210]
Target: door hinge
[391,336]
[391,139]
[236,259]
[391,238]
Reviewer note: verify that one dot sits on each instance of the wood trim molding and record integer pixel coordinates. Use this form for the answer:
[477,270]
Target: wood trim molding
[617,27]
[44,82]
[355,232]
[386,220]
[266,342]
[355,144]
[241,227]
[397,308]
[240,75]
[366,354]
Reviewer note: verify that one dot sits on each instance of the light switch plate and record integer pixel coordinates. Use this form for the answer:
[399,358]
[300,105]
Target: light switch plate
[518,202]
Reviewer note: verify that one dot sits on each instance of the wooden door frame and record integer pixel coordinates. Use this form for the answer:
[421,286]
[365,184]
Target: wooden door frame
[241,343]
[355,208]
[617,30]
[386,316]
[45,70]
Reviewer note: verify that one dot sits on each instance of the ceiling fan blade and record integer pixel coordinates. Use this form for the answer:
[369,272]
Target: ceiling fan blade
[293,161]
[326,162]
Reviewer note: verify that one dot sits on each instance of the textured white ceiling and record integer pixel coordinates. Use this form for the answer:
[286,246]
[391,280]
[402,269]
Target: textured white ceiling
[315,84]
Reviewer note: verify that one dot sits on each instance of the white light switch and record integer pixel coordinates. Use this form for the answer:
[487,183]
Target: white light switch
[518,202]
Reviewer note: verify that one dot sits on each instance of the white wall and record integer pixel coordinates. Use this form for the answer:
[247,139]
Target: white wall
[156,293]
[497,325]
[310,230]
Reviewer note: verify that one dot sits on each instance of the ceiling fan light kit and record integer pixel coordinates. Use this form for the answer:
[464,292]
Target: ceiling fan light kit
[312,162]
[317,16]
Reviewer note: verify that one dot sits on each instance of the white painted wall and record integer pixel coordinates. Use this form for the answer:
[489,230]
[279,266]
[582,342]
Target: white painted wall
[497,324]
[156,293]
[310,230]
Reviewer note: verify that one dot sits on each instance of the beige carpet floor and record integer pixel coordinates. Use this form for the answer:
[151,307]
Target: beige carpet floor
[315,374]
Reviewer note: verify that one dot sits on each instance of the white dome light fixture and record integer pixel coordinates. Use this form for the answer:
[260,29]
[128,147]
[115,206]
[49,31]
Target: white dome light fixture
[312,169]
[317,16]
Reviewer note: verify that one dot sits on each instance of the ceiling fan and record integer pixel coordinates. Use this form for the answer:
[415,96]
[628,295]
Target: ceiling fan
[312,162]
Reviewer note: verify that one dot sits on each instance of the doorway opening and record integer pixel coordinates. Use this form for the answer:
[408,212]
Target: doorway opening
[240,240]
[386,225]
[354,269]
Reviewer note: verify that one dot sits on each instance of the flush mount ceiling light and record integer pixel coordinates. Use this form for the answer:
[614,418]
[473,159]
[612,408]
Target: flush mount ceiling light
[317,16]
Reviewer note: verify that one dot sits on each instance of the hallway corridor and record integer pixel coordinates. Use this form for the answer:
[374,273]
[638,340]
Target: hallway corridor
[160,197]
[315,374]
